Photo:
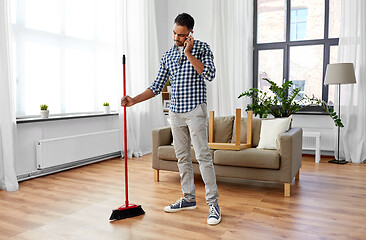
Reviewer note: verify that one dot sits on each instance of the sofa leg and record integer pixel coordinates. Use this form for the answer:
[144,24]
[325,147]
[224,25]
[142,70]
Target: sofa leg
[297,178]
[156,175]
[287,187]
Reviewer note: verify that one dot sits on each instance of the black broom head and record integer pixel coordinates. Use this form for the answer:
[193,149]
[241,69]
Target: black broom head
[126,212]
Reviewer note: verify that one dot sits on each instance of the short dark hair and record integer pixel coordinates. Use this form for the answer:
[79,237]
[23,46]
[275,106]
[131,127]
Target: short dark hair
[186,20]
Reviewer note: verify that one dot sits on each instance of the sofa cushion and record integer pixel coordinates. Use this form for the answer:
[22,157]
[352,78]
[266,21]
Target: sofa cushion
[271,130]
[223,129]
[256,128]
[167,153]
[251,157]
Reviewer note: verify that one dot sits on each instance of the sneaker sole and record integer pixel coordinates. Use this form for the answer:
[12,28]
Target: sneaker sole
[169,210]
[214,223]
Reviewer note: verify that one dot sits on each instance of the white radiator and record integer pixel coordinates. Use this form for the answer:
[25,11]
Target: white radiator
[59,151]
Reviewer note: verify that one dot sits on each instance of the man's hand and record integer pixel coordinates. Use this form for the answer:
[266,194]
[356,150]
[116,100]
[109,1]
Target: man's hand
[127,101]
[189,45]
[199,66]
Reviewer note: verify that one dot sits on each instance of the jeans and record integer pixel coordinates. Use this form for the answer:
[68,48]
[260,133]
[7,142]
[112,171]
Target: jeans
[187,128]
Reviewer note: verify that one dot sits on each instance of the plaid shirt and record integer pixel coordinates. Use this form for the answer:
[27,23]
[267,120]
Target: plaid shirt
[188,86]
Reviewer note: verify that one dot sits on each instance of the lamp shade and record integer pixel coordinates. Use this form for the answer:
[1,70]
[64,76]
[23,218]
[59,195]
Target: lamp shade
[340,73]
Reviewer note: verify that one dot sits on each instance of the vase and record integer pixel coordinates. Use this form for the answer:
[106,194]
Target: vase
[106,110]
[45,113]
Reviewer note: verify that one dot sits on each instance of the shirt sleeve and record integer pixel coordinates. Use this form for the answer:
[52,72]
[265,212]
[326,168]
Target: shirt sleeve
[209,70]
[161,79]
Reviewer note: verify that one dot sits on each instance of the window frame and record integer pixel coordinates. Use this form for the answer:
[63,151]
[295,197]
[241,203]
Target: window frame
[287,44]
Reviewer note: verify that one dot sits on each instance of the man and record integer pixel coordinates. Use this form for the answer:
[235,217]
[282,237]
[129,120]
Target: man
[188,64]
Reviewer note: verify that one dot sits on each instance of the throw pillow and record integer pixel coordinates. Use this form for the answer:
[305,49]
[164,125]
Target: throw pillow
[271,130]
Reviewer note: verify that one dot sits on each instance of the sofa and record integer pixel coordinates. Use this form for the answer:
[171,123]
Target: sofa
[276,165]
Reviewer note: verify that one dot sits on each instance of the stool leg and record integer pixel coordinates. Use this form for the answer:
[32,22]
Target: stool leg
[317,150]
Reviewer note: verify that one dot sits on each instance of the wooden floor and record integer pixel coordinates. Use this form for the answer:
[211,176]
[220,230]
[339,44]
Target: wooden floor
[329,202]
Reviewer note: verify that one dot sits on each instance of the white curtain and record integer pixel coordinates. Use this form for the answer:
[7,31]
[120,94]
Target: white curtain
[140,45]
[352,48]
[8,180]
[233,50]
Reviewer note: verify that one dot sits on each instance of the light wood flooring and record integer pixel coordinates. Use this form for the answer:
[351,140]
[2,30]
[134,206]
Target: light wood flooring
[329,202]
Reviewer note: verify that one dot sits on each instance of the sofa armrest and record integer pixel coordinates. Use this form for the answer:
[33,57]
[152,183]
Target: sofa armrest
[160,137]
[291,153]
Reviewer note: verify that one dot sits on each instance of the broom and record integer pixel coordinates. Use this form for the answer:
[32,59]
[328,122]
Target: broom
[128,210]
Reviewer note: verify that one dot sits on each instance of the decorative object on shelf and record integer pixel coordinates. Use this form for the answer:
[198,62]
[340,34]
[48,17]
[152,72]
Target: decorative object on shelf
[169,86]
[106,108]
[166,104]
[44,111]
[282,102]
[339,73]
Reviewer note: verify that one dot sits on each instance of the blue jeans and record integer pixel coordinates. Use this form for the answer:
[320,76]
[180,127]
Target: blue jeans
[187,128]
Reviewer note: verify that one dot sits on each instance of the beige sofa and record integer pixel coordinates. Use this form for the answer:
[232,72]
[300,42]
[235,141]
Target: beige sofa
[255,164]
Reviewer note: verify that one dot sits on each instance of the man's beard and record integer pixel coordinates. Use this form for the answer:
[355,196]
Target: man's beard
[179,44]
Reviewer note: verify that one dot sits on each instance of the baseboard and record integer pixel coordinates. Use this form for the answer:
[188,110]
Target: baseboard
[64,167]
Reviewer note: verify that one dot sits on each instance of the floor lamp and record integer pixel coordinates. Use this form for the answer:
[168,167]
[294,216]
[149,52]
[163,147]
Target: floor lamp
[339,73]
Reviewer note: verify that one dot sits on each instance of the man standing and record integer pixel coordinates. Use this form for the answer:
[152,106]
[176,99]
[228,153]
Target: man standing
[188,63]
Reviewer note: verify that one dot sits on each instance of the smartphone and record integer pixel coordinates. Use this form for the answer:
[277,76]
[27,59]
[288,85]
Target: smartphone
[190,34]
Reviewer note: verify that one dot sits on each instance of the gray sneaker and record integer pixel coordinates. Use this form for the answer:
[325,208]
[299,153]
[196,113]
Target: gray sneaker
[179,205]
[214,215]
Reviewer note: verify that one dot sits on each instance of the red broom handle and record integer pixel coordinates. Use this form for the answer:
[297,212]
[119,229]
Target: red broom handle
[125,128]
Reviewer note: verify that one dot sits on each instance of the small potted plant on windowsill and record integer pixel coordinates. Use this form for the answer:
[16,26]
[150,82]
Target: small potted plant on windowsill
[168,86]
[44,111]
[106,108]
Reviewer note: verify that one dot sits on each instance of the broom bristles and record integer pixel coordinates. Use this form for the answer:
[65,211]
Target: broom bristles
[126,212]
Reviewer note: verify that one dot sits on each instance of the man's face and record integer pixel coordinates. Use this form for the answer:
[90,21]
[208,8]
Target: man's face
[180,34]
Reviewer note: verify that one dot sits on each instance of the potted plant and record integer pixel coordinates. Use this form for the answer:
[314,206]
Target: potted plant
[283,103]
[44,111]
[106,108]
[169,86]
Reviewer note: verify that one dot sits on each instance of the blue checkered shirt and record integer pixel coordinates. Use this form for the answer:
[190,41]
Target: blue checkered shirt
[188,86]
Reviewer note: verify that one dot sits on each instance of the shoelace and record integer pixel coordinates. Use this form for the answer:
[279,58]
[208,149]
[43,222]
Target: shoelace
[213,211]
[179,201]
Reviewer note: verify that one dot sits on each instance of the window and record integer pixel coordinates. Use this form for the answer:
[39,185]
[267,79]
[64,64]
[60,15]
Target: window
[295,40]
[64,55]
[298,24]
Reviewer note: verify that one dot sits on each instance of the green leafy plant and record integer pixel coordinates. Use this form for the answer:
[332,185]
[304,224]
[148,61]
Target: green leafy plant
[283,103]
[44,107]
[106,104]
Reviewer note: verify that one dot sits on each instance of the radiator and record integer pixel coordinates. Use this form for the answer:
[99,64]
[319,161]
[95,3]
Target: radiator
[59,151]
[326,141]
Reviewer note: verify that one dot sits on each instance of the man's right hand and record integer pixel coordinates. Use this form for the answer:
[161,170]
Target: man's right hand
[127,101]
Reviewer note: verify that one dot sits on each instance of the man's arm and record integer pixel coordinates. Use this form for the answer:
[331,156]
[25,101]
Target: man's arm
[153,90]
[206,68]
[197,64]
[129,101]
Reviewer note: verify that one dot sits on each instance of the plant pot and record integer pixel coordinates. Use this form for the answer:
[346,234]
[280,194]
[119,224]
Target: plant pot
[169,88]
[106,110]
[45,113]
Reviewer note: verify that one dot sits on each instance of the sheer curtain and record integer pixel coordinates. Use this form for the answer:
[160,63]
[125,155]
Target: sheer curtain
[233,50]
[139,43]
[352,48]
[8,180]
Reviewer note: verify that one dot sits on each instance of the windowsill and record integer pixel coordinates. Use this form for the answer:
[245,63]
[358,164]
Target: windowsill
[312,110]
[22,120]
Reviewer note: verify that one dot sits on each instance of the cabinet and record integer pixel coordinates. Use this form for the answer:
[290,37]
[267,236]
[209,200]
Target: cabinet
[166,99]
